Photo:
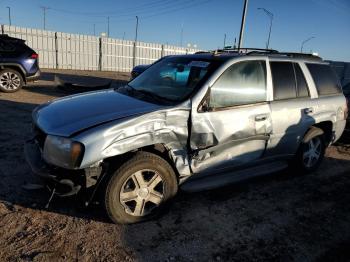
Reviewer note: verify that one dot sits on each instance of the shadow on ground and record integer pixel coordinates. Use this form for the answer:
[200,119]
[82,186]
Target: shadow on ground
[83,83]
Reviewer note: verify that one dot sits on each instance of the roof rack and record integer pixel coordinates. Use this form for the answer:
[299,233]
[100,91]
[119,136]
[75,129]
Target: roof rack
[260,51]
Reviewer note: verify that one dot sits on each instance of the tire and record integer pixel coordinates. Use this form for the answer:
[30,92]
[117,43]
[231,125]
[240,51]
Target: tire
[310,154]
[139,189]
[10,80]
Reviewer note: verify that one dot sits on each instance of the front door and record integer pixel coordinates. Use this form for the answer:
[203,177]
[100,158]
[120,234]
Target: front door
[232,125]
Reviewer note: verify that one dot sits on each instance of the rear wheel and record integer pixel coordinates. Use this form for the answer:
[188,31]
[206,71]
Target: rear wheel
[10,80]
[311,154]
[139,189]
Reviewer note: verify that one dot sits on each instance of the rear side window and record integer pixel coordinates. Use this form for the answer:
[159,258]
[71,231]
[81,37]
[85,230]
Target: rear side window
[325,79]
[241,84]
[7,46]
[302,88]
[283,80]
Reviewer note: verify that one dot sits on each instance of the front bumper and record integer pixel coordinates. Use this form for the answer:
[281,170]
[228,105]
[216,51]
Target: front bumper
[33,157]
[34,77]
[65,182]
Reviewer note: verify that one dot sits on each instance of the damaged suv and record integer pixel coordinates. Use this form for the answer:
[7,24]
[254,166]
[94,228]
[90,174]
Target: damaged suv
[197,121]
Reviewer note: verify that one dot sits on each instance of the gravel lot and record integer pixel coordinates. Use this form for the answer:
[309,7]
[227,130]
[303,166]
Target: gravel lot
[280,217]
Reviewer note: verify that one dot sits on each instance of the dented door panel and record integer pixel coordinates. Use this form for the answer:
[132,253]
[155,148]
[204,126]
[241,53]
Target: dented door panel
[168,127]
[229,138]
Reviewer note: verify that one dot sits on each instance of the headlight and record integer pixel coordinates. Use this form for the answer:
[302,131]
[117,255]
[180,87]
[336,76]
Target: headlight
[63,152]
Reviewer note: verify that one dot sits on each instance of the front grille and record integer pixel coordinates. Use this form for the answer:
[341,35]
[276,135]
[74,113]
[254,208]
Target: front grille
[39,136]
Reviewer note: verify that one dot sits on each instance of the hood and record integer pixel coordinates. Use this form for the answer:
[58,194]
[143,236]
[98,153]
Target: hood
[66,116]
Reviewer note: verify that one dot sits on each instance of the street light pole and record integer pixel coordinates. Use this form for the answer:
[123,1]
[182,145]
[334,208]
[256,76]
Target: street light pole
[270,15]
[224,40]
[108,26]
[137,27]
[305,41]
[9,8]
[244,14]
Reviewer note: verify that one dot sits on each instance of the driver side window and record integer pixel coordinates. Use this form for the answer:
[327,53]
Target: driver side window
[241,84]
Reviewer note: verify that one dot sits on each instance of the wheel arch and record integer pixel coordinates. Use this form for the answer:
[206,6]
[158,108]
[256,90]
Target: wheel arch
[323,128]
[16,68]
[158,149]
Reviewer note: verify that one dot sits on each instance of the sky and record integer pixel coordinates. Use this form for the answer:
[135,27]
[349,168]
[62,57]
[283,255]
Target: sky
[204,22]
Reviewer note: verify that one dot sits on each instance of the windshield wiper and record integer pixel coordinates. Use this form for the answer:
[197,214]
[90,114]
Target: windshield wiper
[153,95]
[147,93]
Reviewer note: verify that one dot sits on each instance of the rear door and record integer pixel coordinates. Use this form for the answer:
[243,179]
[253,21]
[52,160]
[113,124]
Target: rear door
[292,108]
[232,124]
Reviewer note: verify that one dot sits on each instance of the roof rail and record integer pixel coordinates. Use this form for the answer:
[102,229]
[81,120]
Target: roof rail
[261,51]
[246,50]
[300,55]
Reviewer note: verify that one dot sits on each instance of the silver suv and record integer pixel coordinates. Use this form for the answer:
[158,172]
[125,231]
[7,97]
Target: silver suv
[197,121]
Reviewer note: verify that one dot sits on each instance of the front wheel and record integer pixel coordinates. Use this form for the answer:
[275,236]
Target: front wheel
[311,154]
[139,189]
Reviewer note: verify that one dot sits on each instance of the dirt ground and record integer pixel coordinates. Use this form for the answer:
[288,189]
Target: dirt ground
[280,217]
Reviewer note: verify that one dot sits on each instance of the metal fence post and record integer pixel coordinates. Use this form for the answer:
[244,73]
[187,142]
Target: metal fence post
[100,54]
[56,50]
[162,51]
[134,55]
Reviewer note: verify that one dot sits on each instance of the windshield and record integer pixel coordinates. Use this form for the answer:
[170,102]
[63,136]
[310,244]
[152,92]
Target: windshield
[172,78]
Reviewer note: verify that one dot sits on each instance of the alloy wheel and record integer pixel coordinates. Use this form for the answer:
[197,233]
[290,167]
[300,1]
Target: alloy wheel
[312,152]
[10,81]
[142,192]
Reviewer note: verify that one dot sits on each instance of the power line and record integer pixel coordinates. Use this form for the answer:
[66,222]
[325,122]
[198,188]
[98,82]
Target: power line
[152,13]
[177,9]
[128,11]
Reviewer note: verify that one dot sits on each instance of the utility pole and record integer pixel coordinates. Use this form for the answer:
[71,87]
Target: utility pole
[182,34]
[108,26]
[270,15]
[305,41]
[9,8]
[244,14]
[44,8]
[224,40]
[135,43]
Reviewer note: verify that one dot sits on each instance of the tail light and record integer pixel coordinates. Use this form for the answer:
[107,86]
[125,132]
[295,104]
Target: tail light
[34,56]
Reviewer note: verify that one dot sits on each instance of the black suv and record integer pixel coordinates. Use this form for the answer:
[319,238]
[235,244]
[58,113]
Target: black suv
[18,64]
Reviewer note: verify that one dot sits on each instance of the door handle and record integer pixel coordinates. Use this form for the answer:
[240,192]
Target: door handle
[308,110]
[260,118]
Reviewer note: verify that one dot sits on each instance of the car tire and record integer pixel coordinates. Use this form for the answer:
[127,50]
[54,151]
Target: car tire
[310,154]
[139,189]
[10,80]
